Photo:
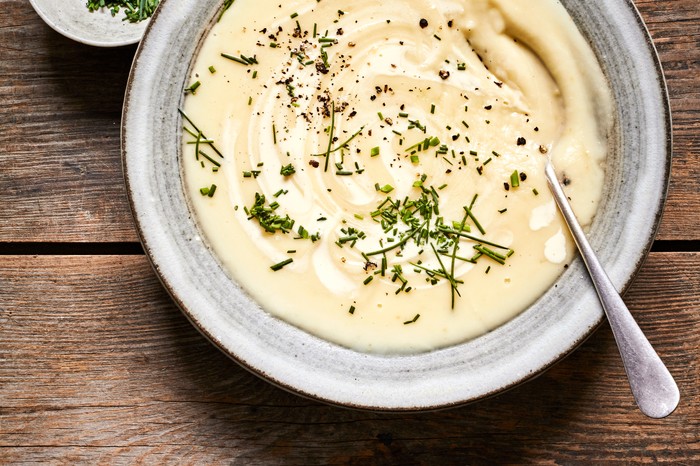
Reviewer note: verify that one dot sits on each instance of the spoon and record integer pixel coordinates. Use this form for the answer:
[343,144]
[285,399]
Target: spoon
[653,387]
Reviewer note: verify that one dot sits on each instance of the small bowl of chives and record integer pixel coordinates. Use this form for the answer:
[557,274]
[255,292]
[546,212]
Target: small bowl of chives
[100,23]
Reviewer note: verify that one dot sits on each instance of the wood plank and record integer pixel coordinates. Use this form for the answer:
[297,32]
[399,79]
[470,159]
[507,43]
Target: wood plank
[61,162]
[675,28]
[97,365]
[60,169]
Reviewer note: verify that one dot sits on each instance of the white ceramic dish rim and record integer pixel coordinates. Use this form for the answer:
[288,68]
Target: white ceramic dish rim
[72,19]
[556,324]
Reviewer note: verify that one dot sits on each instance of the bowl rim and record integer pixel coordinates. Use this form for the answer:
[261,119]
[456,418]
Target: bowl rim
[162,262]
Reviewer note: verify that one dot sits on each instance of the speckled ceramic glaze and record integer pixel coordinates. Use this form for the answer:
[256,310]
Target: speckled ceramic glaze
[72,19]
[637,178]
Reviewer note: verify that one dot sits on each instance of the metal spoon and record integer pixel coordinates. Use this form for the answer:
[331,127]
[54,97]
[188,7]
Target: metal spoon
[653,387]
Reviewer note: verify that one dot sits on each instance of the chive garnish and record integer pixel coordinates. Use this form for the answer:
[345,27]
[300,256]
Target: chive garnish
[236,59]
[343,144]
[330,136]
[193,87]
[417,316]
[287,170]
[214,162]
[515,179]
[210,144]
[227,5]
[280,265]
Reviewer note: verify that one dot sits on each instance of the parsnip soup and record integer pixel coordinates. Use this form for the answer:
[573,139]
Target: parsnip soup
[373,172]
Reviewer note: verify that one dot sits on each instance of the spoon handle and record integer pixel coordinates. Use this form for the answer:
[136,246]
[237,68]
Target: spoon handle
[653,387]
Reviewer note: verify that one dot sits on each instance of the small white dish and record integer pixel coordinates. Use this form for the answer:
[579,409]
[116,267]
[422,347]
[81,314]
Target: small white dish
[99,28]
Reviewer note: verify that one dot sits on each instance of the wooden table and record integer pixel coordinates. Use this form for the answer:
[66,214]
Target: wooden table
[97,365]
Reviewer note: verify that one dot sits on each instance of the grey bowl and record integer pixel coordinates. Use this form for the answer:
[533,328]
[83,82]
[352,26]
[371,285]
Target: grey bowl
[622,233]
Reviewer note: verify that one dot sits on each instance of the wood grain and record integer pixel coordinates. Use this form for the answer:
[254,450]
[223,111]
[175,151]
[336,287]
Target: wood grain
[675,28]
[61,178]
[97,366]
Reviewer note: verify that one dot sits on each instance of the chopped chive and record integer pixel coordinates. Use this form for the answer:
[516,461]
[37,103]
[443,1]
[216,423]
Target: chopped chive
[515,179]
[236,59]
[216,164]
[274,134]
[330,136]
[386,189]
[352,310]
[500,258]
[476,222]
[294,15]
[417,316]
[287,170]
[280,265]
[374,152]
[193,87]
[368,279]
[212,70]
[201,135]
[432,108]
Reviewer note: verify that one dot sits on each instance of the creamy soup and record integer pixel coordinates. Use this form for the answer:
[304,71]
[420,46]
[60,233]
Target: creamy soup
[373,172]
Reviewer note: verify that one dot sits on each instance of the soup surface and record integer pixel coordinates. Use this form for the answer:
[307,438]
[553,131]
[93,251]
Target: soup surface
[373,172]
